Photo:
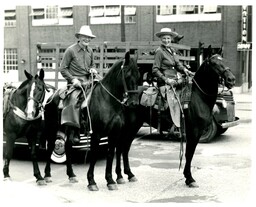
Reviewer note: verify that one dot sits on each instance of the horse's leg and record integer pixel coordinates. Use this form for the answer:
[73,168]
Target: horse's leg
[190,150]
[32,142]
[119,178]
[68,150]
[93,158]
[127,169]
[50,147]
[50,132]
[110,156]
[8,154]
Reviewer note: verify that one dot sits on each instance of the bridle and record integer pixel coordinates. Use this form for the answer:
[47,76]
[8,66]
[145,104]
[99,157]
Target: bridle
[22,114]
[126,91]
[220,75]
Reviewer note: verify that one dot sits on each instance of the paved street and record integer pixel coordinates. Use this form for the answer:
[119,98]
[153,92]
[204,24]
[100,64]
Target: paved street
[221,168]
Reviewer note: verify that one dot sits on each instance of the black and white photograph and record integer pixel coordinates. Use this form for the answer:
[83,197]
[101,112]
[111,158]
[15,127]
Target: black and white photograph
[115,102]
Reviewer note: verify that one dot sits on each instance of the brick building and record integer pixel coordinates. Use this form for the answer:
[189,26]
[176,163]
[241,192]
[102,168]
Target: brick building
[230,26]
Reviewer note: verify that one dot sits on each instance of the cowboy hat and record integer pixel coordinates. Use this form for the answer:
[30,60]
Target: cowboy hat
[177,37]
[85,30]
[58,154]
[165,31]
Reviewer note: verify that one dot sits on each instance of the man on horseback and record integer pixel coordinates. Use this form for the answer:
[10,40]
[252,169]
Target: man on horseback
[166,67]
[76,67]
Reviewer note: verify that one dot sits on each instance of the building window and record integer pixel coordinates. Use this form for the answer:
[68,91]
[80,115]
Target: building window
[111,14]
[10,18]
[10,60]
[188,13]
[52,15]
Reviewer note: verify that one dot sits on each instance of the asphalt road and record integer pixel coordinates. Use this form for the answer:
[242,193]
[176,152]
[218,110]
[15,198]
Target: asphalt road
[222,169]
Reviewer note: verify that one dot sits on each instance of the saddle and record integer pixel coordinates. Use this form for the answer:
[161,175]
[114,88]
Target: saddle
[66,91]
[155,96]
[7,93]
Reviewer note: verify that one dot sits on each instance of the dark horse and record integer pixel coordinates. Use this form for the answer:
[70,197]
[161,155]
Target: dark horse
[108,100]
[198,115]
[23,118]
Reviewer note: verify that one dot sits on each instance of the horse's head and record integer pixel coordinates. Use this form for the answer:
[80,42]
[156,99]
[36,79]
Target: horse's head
[216,62]
[35,93]
[130,79]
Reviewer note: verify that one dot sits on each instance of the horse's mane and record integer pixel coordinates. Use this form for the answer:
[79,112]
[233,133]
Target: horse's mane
[114,71]
[201,75]
[114,75]
[23,84]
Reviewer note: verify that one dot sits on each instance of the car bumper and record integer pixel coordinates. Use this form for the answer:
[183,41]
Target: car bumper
[230,124]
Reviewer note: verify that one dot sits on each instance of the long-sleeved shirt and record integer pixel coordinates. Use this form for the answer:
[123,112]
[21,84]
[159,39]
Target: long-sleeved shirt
[76,62]
[166,63]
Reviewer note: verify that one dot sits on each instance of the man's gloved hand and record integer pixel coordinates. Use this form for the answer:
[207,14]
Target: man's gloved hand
[171,82]
[93,70]
[76,83]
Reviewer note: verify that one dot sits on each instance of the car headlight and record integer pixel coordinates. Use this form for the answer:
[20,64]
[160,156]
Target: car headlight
[224,103]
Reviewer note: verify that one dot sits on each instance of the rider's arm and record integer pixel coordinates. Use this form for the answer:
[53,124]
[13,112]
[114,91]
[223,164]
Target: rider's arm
[64,66]
[157,65]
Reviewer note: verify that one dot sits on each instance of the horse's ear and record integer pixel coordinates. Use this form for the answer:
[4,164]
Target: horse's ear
[136,55]
[127,58]
[209,51]
[41,74]
[28,75]
[220,52]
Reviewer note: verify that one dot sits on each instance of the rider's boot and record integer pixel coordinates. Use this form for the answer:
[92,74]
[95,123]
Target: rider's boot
[74,135]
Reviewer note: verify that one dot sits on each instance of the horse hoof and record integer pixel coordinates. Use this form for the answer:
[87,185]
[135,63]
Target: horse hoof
[48,179]
[41,182]
[193,185]
[112,187]
[133,179]
[120,181]
[7,179]
[93,187]
[73,180]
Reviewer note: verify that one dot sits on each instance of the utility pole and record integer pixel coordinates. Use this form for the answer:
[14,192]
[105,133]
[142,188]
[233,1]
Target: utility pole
[122,24]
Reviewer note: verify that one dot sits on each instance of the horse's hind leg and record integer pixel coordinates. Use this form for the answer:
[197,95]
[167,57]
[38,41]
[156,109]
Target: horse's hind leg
[127,169]
[70,172]
[8,156]
[190,150]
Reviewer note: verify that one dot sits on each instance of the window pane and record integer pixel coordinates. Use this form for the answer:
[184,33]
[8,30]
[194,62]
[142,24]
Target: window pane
[10,60]
[51,12]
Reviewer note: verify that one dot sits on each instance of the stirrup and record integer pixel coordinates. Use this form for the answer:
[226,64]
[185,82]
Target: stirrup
[175,131]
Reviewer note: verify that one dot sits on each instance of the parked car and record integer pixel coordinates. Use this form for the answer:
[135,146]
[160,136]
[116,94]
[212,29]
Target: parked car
[223,116]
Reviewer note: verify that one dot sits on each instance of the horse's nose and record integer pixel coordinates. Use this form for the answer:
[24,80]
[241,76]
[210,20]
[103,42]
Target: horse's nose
[31,115]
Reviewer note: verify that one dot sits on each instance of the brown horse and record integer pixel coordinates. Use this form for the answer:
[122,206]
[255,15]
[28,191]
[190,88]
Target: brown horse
[23,118]
[198,115]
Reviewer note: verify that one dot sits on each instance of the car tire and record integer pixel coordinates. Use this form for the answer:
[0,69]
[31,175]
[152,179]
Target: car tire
[221,130]
[58,155]
[209,133]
